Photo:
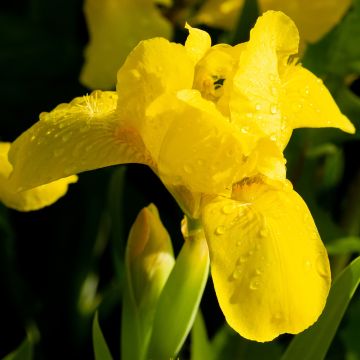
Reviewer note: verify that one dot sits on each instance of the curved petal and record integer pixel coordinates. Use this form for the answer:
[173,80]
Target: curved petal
[29,200]
[197,43]
[313,18]
[115,28]
[149,72]
[254,100]
[201,149]
[82,135]
[270,269]
[306,102]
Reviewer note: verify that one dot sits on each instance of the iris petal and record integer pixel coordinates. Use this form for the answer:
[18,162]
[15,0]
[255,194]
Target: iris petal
[29,200]
[270,269]
[82,135]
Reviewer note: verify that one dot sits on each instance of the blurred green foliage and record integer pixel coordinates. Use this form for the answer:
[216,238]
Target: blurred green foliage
[60,263]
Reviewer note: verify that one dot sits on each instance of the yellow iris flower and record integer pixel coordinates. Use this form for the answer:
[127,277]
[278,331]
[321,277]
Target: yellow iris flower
[115,27]
[212,122]
[313,18]
[33,199]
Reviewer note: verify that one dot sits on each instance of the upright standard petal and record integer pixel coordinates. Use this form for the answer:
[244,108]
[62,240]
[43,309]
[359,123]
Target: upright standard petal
[197,43]
[306,102]
[151,71]
[82,135]
[115,27]
[270,269]
[29,200]
[254,99]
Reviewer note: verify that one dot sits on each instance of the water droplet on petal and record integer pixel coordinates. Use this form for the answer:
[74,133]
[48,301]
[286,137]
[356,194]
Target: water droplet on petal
[33,138]
[273,109]
[228,209]
[322,266]
[263,233]
[258,271]
[254,283]
[58,152]
[237,273]
[307,264]
[220,230]
[187,169]
[258,107]
[243,259]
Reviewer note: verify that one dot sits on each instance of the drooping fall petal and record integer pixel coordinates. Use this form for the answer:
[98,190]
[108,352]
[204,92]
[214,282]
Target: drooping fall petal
[270,269]
[115,27]
[33,199]
[82,135]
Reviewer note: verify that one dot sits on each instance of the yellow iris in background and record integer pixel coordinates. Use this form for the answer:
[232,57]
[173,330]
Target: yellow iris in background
[115,27]
[313,18]
[212,122]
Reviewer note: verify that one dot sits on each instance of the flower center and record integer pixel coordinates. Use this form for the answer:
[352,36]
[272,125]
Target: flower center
[212,71]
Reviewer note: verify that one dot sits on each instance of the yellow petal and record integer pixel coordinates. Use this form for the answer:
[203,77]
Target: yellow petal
[115,28]
[201,149]
[254,97]
[270,269]
[154,68]
[82,135]
[29,200]
[197,43]
[306,102]
[219,13]
[313,18]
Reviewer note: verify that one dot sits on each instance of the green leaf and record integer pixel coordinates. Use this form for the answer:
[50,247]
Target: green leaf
[101,349]
[180,298]
[346,245]
[314,342]
[200,345]
[24,352]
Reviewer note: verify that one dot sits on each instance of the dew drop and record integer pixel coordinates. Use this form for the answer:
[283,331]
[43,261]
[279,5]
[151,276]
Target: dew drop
[272,77]
[58,152]
[273,109]
[258,271]
[273,90]
[228,209]
[187,169]
[48,132]
[259,117]
[237,273]
[66,137]
[238,243]
[243,259]
[244,130]
[254,283]
[33,138]
[321,266]
[307,264]
[220,230]
[273,138]
[258,107]
[263,233]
